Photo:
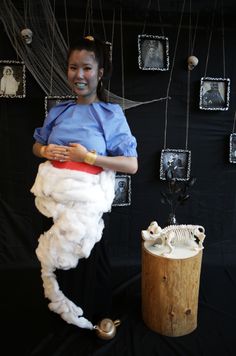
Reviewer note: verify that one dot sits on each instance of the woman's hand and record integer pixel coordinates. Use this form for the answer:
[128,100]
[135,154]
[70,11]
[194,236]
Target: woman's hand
[76,152]
[51,152]
[55,152]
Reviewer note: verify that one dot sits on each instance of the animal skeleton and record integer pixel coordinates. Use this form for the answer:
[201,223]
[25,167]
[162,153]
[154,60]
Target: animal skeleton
[175,235]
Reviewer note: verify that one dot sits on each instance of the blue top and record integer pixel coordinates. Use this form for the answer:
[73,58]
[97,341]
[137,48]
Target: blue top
[98,126]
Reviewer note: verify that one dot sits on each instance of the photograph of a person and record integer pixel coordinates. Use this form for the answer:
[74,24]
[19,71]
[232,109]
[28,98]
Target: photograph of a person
[51,101]
[177,161]
[214,93]
[12,82]
[153,52]
[122,190]
[232,148]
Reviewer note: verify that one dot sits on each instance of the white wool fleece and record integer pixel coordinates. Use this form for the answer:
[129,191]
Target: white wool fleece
[76,202]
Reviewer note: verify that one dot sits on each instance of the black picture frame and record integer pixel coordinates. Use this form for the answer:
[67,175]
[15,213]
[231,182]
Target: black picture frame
[52,100]
[214,93]
[153,52]
[122,190]
[176,160]
[232,148]
[13,79]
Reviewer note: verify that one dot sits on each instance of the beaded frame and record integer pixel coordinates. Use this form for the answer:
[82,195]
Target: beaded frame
[161,45]
[18,68]
[124,198]
[50,101]
[177,159]
[217,99]
[232,148]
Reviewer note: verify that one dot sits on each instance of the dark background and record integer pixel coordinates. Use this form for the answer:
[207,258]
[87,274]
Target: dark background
[27,323]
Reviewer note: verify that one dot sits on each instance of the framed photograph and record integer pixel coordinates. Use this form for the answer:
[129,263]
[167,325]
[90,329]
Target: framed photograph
[122,190]
[12,79]
[232,148]
[109,46]
[214,93]
[153,52]
[177,161]
[51,101]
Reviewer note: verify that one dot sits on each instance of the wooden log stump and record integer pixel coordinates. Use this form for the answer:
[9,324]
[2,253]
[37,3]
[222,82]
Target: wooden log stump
[170,291]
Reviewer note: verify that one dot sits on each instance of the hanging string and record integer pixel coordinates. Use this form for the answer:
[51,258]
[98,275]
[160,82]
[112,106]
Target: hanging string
[14,33]
[194,36]
[25,12]
[210,38]
[91,17]
[146,16]
[160,18]
[103,23]
[87,19]
[67,28]
[52,53]
[189,76]
[223,39]
[171,73]
[122,60]
[112,41]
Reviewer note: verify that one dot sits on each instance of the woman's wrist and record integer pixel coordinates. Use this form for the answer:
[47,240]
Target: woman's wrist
[42,151]
[90,157]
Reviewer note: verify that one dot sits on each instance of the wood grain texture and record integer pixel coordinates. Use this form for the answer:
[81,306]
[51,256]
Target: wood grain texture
[170,291]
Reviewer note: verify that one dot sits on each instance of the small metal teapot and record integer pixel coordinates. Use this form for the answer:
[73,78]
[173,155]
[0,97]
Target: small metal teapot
[106,328]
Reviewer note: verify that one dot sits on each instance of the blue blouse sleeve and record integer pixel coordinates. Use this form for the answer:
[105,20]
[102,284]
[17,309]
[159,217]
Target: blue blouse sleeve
[118,136]
[41,134]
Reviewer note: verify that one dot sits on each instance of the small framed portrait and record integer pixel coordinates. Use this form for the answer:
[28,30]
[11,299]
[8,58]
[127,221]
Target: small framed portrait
[122,190]
[177,162]
[214,93]
[232,148]
[51,101]
[153,52]
[13,82]
[109,47]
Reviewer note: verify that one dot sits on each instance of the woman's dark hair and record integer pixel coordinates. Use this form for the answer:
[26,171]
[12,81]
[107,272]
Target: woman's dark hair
[102,56]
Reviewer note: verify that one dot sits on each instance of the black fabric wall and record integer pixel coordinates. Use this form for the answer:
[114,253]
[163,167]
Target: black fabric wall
[213,199]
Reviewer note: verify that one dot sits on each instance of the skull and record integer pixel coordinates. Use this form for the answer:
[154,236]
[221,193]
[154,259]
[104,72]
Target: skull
[27,35]
[192,62]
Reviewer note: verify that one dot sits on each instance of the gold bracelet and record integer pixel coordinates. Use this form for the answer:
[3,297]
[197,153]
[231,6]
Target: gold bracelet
[42,150]
[90,157]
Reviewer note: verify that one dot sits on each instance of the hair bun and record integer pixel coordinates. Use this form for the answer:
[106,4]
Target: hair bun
[90,38]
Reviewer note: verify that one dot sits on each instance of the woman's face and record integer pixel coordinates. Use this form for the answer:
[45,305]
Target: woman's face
[8,72]
[83,75]
[151,52]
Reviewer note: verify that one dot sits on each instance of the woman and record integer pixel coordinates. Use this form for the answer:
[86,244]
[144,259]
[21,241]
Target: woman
[9,84]
[85,143]
[153,54]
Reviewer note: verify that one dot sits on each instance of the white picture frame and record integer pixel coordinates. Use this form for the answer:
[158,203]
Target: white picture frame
[214,93]
[178,161]
[232,148]
[153,52]
[12,79]
[122,190]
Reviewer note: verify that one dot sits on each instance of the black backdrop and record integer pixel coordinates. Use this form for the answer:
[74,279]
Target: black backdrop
[29,328]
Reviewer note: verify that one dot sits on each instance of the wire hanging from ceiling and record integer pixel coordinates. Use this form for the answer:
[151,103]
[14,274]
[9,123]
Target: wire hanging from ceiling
[210,38]
[171,74]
